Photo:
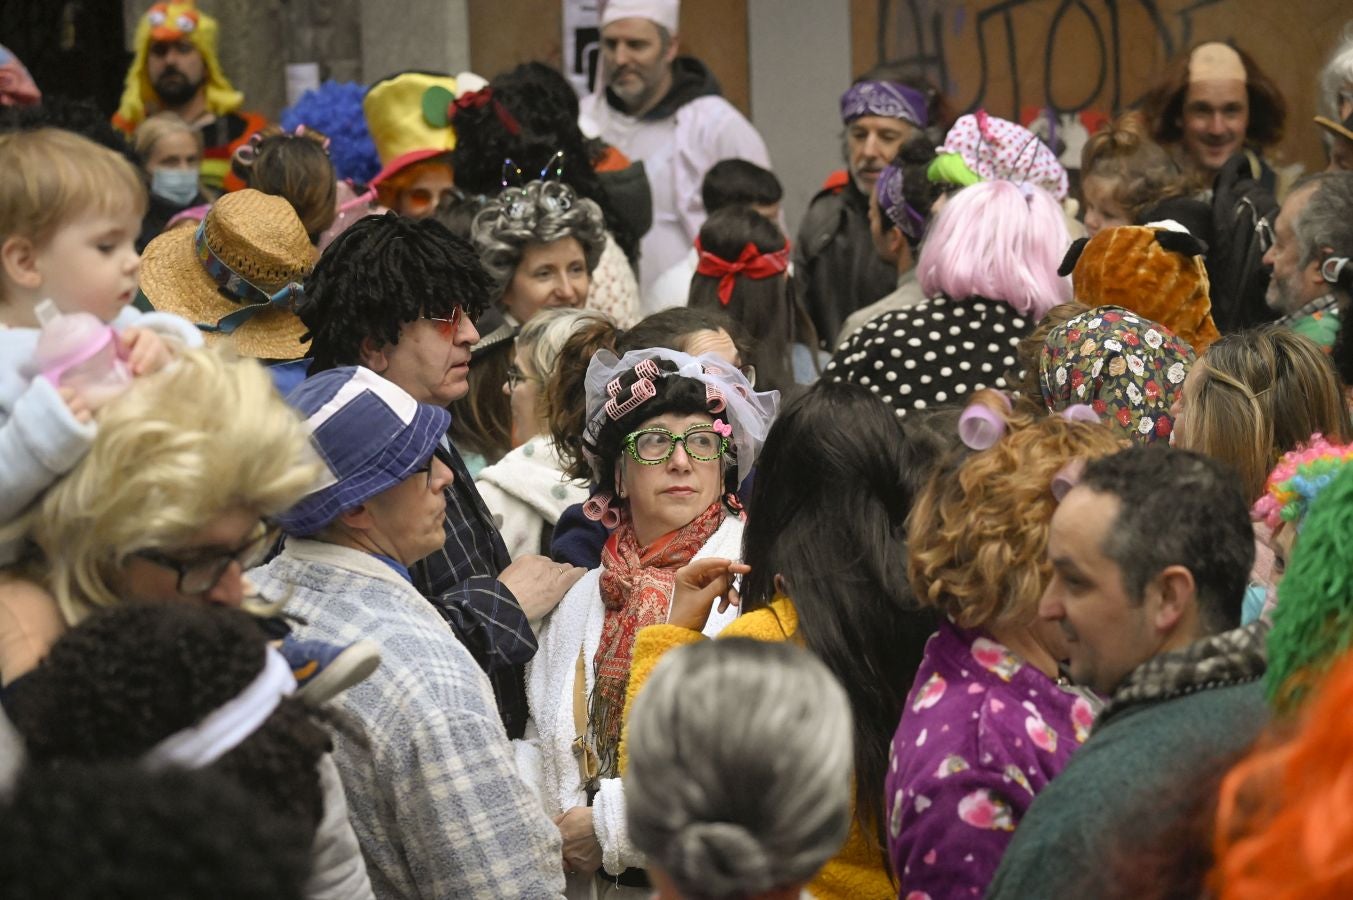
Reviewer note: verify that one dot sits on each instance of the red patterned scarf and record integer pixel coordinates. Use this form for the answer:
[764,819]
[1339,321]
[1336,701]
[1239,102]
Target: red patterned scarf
[636,586]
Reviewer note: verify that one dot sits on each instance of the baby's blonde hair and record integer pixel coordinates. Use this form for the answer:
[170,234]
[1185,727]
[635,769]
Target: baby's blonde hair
[50,177]
[206,435]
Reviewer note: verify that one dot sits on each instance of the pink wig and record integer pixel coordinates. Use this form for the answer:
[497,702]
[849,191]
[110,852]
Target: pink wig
[1001,241]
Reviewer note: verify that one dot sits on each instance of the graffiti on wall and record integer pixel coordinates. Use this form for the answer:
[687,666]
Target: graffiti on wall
[1066,55]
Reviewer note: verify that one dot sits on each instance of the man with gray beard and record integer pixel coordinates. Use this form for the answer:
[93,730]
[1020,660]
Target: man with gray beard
[1311,256]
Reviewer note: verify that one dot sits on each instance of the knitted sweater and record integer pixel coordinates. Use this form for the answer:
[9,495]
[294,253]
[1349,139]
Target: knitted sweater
[858,870]
[1176,720]
[526,491]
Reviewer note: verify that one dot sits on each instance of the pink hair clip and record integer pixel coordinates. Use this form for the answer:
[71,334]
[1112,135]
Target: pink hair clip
[722,427]
[301,131]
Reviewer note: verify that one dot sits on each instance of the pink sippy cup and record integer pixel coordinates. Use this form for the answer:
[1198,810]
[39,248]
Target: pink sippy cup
[77,350]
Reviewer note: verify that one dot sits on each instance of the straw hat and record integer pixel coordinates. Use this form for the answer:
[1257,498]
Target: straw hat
[230,276]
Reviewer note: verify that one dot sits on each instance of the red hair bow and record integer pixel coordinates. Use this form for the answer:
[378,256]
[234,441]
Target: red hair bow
[751,263]
[480,99]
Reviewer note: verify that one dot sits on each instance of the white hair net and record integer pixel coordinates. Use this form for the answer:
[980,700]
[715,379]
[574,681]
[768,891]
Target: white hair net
[748,412]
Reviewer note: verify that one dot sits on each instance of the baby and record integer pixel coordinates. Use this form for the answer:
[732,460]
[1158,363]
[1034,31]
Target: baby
[70,212]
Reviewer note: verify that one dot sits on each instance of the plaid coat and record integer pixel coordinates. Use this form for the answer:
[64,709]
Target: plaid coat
[434,794]
[461,581]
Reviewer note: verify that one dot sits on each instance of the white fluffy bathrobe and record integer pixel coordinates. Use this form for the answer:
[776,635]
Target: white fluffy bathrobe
[545,756]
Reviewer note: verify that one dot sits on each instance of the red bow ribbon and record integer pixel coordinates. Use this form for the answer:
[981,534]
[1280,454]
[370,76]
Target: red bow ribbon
[751,263]
[480,99]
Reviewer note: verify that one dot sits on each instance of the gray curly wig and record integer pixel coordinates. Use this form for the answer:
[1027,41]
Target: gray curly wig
[542,212]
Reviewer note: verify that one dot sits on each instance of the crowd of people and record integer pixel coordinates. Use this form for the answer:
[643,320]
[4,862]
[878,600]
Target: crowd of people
[465,489]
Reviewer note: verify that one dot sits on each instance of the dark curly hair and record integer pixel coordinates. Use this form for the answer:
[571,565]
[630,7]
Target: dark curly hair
[131,676]
[537,97]
[114,831]
[80,116]
[379,274]
[674,394]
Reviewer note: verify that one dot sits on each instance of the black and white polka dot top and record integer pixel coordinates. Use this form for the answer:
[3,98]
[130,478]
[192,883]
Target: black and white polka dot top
[933,354]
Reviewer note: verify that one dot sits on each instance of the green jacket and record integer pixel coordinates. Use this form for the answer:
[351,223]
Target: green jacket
[1175,720]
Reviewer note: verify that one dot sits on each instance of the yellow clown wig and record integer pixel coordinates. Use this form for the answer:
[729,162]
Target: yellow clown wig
[174,22]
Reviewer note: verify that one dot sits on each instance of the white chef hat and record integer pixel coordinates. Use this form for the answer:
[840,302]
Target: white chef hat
[662,12]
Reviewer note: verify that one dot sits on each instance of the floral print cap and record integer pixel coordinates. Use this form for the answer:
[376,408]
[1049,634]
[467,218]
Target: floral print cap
[1129,368]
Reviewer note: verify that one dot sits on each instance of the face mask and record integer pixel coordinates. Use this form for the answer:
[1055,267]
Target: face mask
[176,185]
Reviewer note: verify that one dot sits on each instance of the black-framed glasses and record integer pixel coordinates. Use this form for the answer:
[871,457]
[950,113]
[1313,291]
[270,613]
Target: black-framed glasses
[197,576]
[651,446]
[439,454]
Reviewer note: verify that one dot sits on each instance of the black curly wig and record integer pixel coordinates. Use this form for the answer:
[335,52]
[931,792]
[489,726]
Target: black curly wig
[542,102]
[673,394]
[131,676]
[117,832]
[379,274]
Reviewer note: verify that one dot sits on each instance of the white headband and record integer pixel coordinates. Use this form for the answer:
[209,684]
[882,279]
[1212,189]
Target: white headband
[225,728]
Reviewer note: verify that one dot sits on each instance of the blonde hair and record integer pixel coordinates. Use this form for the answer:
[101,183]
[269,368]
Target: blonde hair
[1259,394]
[49,177]
[160,125]
[178,448]
[976,537]
[543,338]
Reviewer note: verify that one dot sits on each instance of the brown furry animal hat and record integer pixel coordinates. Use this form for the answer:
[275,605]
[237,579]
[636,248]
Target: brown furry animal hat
[1153,270]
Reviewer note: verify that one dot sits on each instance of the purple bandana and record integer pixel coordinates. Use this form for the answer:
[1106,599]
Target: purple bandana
[884,98]
[888,191]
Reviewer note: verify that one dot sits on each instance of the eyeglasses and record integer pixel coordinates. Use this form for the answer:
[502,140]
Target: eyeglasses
[441,456]
[419,200]
[516,376]
[197,576]
[650,446]
[448,328]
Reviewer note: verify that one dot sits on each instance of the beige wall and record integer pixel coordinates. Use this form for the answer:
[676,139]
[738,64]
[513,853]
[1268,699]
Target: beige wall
[1012,54]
